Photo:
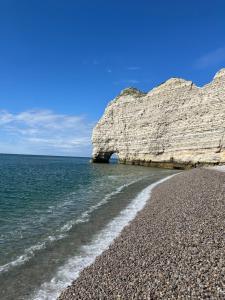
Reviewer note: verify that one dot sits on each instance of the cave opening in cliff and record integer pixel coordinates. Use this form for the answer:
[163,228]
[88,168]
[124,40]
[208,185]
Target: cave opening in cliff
[113,158]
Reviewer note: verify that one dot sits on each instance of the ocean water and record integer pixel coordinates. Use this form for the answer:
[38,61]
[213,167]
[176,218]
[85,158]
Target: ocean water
[57,214]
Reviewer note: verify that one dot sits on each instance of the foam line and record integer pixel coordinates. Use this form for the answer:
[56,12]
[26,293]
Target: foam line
[85,216]
[61,233]
[70,271]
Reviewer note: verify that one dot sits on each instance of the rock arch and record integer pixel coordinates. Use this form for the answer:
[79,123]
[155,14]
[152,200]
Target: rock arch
[104,157]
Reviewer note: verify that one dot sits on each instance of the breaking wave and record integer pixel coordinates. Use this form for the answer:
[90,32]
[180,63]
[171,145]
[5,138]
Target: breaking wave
[70,271]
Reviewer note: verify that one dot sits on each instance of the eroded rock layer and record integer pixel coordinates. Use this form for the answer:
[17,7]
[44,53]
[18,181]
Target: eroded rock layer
[176,124]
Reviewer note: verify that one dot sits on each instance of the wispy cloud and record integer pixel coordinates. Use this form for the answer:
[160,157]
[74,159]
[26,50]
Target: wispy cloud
[126,81]
[133,68]
[44,132]
[212,58]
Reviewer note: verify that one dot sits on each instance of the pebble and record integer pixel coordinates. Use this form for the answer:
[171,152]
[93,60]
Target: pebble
[173,249]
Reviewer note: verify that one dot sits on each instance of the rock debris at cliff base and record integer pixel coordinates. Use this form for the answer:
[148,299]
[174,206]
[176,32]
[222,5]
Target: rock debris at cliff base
[173,249]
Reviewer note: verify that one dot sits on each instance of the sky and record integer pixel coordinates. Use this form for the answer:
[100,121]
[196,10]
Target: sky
[61,62]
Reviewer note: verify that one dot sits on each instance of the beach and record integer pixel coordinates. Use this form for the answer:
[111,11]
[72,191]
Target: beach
[173,248]
[59,215]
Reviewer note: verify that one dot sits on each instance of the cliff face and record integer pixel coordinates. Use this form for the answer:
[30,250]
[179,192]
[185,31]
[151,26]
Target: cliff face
[176,124]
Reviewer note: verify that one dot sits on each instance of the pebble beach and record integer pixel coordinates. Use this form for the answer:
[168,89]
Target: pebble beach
[173,249]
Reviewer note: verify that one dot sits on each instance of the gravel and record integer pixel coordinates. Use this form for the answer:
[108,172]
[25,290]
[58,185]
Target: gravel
[173,249]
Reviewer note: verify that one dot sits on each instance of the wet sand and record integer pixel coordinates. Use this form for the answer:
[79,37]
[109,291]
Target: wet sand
[173,249]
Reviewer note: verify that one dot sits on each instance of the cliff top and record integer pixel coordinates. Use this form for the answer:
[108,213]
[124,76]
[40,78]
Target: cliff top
[131,91]
[170,84]
[220,73]
[175,82]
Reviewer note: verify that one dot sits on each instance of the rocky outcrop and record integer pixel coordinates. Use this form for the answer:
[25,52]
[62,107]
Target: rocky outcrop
[176,124]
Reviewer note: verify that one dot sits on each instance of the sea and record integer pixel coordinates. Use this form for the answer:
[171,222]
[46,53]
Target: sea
[58,213]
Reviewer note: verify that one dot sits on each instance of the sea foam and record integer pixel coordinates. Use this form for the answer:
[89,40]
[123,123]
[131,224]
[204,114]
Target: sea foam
[29,253]
[62,232]
[70,271]
[85,216]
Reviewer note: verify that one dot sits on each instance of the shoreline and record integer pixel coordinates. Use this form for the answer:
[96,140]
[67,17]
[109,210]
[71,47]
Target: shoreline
[172,248]
[100,242]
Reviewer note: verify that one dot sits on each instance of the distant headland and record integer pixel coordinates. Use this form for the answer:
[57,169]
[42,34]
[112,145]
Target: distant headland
[175,125]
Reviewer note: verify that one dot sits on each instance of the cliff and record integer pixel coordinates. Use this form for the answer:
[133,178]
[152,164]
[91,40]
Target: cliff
[176,124]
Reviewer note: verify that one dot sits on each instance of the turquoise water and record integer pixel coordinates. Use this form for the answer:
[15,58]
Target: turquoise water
[55,215]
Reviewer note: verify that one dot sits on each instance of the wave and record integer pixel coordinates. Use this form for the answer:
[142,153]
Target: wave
[29,253]
[61,233]
[85,216]
[70,271]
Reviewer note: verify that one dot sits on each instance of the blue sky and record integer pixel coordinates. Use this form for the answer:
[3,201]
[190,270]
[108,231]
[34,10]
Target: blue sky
[61,62]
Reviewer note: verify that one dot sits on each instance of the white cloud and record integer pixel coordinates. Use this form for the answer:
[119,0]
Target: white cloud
[212,58]
[45,132]
[5,117]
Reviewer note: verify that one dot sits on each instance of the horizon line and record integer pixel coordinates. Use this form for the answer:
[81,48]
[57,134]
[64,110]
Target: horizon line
[49,155]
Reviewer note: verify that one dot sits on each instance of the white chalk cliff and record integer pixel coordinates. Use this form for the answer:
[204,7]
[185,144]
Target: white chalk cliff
[175,124]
